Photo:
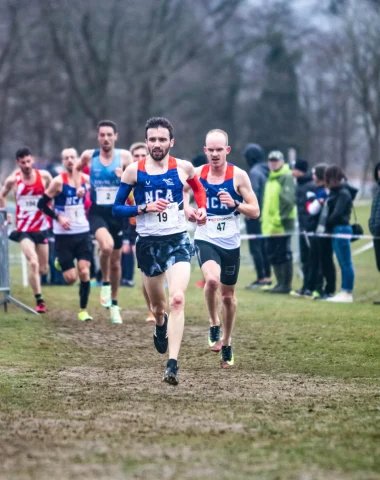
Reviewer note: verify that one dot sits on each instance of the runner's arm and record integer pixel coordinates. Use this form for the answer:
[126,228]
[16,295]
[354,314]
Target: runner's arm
[6,188]
[54,189]
[85,159]
[251,207]
[126,159]
[46,177]
[128,181]
[195,185]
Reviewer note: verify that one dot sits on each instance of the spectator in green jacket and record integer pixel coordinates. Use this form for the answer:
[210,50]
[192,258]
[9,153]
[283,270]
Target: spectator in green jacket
[278,218]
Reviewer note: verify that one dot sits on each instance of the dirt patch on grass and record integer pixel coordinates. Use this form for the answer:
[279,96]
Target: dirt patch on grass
[111,416]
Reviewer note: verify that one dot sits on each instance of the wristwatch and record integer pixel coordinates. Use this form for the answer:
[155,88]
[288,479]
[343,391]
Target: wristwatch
[143,207]
[237,203]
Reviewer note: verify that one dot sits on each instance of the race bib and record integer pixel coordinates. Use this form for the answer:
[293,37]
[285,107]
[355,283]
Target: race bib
[106,195]
[224,226]
[28,203]
[166,219]
[75,213]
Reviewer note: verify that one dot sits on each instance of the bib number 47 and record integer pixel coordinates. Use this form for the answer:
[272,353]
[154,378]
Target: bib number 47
[221,226]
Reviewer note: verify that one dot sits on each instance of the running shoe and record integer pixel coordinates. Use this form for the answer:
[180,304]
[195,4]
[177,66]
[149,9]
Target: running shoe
[150,318]
[258,284]
[41,307]
[227,357]
[84,317]
[105,296]
[115,314]
[171,373]
[57,265]
[160,336]
[214,339]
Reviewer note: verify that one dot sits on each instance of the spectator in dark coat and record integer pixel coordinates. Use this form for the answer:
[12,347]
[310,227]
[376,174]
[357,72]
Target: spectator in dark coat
[374,219]
[258,174]
[305,184]
[339,207]
[321,278]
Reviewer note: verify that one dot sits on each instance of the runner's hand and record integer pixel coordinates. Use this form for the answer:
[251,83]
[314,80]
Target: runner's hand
[118,172]
[158,206]
[226,199]
[65,222]
[191,214]
[81,192]
[9,218]
[201,216]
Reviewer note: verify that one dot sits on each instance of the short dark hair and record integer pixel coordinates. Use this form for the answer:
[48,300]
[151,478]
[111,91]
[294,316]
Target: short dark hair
[156,122]
[107,123]
[23,152]
[334,176]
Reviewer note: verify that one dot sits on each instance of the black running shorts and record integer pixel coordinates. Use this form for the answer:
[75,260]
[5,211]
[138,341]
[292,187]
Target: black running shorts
[229,260]
[38,238]
[100,217]
[69,247]
[155,254]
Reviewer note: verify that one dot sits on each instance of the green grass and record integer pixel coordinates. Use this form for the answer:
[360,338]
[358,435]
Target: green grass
[87,401]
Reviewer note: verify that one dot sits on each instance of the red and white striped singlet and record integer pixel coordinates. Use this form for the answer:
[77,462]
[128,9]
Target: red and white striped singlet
[28,217]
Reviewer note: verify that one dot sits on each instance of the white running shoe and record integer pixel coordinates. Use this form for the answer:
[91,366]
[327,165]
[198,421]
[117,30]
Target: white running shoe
[105,296]
[115,314]
[341,297]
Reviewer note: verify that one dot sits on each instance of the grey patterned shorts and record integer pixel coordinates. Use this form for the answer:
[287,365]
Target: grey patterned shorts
[155,254]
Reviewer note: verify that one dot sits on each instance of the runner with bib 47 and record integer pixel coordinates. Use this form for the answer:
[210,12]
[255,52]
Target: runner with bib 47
[217,243]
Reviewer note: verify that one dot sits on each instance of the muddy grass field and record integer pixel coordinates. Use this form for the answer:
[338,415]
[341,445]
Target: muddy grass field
[87,401]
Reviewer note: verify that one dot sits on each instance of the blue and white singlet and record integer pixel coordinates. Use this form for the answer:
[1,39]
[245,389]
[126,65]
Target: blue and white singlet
[223,223]
[69,205]
[150,188]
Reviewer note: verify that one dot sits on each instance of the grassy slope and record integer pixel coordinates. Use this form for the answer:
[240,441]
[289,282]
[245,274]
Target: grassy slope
[302,402]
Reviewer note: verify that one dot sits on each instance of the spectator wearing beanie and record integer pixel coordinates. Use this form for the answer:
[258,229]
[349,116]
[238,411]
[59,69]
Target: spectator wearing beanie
[305,184]
[321,279]
[374,219]
[258,175]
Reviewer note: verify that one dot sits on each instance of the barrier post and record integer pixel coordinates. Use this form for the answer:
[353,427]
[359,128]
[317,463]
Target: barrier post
[5,289]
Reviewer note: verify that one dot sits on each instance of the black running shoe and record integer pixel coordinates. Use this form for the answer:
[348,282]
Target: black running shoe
[227,357]
[214,339]
[171,373]
[160,336]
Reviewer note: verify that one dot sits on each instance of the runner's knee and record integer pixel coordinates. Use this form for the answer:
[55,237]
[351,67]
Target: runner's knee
[115,263]
[106,249]
[33,264]
[70,276]
[228,299]
[43,269]
[212,283]
[158,309]
[177,301]
[83,271]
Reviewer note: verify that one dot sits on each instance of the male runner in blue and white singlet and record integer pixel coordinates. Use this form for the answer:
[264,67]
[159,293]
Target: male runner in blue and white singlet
[217,243]
[70,227]
[163,247]
[106,166]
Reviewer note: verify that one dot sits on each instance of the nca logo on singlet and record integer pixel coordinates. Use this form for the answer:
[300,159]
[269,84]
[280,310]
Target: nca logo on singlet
[74,201]
[214,202]
[153,196]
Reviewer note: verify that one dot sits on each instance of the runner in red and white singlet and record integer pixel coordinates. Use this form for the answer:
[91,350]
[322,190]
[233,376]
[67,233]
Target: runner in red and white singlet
[28,185]
[28,217]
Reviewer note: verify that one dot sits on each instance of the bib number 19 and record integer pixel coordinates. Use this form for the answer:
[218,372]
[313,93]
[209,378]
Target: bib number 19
[162,217]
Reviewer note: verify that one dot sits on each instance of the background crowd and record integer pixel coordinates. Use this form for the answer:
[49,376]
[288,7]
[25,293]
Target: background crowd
[315,204]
